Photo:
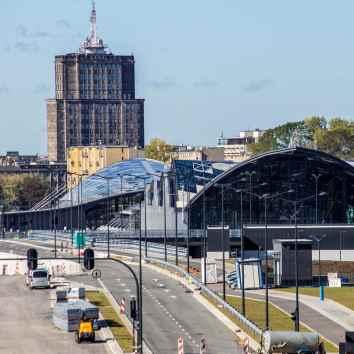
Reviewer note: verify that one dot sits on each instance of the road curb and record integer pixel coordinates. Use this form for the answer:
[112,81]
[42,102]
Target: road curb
[110,342]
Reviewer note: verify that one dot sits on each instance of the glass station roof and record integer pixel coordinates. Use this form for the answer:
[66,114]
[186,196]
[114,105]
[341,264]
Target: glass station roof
[122,177]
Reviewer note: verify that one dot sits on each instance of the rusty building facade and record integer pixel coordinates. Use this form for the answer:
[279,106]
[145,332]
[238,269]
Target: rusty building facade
[94,99]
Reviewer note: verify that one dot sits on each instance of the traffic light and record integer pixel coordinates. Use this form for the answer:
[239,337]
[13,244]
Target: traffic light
[32,259]
[89,259]
[133,311]
[293,316]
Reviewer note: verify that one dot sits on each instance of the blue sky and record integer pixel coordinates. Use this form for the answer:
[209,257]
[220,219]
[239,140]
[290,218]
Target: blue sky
[203,66]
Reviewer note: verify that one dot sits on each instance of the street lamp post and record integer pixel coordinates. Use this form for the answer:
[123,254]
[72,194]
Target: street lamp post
[250,174]
[297,309]
[2,222]
[223,244]
[189,227]
[204,235]
[243,302]
[108,210]
[341,243]
[71,213]
[176,219]
[318,240]
[79,212]
[55,229]
[164,215]
[316,177]
[295,205]
[140,279]
[266,261]
[265,198]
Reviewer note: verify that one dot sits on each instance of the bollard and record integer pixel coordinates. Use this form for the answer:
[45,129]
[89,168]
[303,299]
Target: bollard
[322,294]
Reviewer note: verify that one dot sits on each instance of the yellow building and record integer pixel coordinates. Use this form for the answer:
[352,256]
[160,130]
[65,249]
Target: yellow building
[88,160]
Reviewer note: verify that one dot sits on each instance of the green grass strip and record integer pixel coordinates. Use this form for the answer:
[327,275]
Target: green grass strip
[120,332]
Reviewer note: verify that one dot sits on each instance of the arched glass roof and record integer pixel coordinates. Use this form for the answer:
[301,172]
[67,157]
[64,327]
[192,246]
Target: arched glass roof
[321,185]
[122,177]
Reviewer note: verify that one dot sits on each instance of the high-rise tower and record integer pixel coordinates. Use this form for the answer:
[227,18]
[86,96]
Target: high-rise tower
[94,99]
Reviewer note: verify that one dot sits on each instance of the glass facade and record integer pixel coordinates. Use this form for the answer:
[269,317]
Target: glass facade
[124,177]
[192,174]
[318,186]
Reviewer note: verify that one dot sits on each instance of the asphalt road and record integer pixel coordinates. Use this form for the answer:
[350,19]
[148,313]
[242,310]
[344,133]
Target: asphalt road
[26,326]
[168,311]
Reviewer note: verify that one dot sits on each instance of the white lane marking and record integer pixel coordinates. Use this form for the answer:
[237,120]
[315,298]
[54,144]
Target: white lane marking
[171,317]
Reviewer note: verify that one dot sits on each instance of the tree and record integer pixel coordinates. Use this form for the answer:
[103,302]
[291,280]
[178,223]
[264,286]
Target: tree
[337,139]
[275,138]
[315,123]
[30,191]
[22,192]
[159,150]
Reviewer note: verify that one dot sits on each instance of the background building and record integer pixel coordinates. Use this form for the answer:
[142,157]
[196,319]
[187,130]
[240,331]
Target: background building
[89,159]
[235,148]
[184,152]
[94,100]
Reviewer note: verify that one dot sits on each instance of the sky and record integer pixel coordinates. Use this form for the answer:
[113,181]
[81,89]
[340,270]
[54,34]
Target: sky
[203,66]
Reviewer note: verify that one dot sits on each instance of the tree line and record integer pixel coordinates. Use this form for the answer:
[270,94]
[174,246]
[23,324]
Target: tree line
[334,136]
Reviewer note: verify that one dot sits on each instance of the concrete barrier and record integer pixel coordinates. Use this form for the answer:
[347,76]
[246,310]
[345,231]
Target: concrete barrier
[56,267]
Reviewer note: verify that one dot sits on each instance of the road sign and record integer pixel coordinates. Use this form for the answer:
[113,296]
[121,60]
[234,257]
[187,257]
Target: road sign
[203,346]
[96,274]
[180,345]
[122,306]
[246,346]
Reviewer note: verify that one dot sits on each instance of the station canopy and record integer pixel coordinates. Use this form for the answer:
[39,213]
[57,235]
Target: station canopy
[120,178]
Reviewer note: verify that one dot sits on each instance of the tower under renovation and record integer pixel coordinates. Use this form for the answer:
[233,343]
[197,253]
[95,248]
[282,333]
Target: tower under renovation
[94,99]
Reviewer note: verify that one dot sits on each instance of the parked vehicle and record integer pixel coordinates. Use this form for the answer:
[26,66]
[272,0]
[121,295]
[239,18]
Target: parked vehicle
[38,278]
[86,331]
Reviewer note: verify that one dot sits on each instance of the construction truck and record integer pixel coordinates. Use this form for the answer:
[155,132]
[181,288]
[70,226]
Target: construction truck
[86,331]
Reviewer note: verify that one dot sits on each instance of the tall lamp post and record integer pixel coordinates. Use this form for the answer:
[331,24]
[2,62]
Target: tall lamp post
[2,222]
[295,204]
[79,209]
[188,227]
[318,240]
[316,177]
[140,251]
[204,233]
[250,174]
[265,197]
[341,243]
[108,210]
[222,241]
[163,176]
[176,218]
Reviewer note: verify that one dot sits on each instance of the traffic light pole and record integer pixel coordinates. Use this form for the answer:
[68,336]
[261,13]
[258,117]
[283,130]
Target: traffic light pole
[139,299]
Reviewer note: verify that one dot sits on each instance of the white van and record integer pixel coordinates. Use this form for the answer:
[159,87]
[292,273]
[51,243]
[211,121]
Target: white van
[38,278]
